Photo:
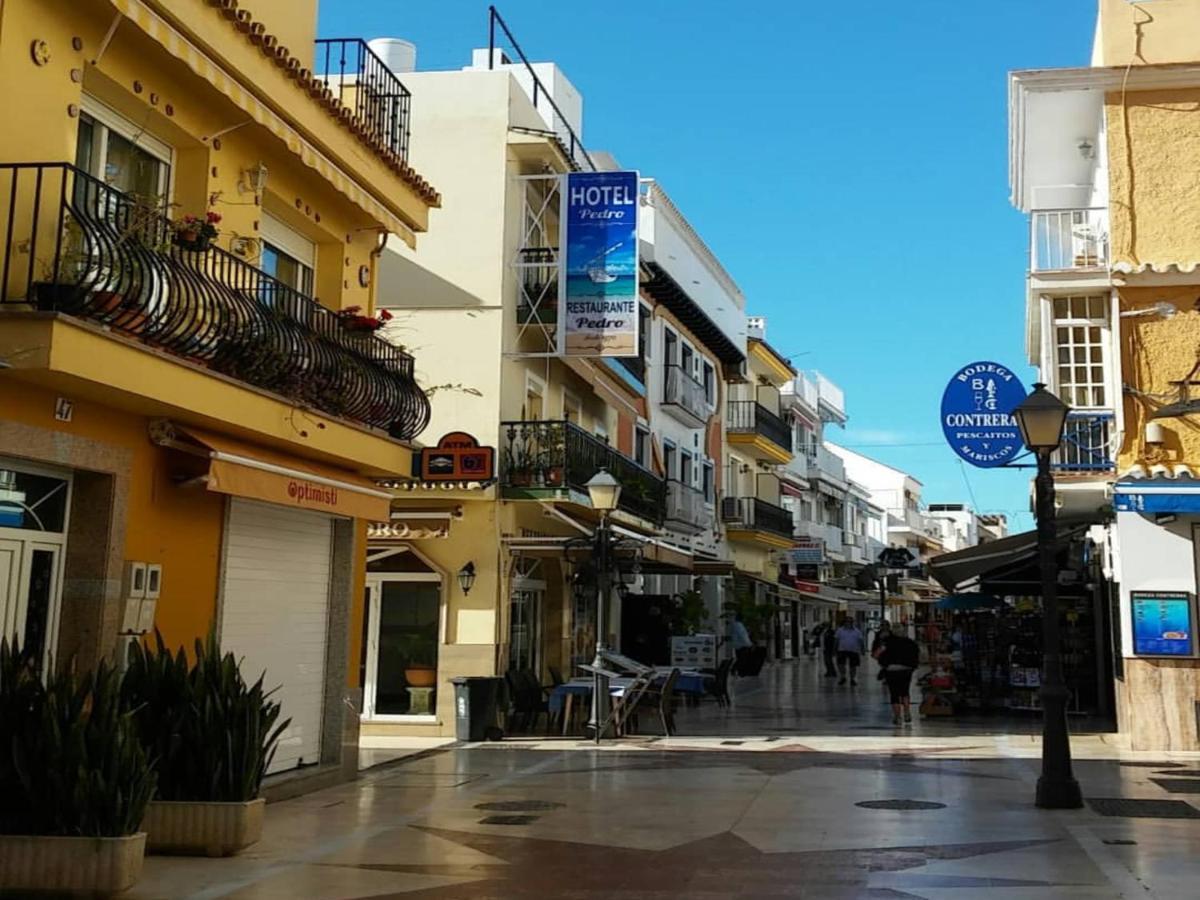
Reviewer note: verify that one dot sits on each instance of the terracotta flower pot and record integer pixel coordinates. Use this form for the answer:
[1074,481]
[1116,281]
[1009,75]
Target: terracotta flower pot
[85,864]
[420,676]
[195,828]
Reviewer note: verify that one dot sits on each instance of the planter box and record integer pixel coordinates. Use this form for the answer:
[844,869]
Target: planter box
[202,829]
[43,863]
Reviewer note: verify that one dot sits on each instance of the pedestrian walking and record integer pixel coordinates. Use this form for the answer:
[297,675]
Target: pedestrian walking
[850,647]
[829,650]
[900,657]
[742,644]
[881,635]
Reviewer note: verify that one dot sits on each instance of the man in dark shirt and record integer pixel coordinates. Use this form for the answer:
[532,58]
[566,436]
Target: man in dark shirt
[899,659]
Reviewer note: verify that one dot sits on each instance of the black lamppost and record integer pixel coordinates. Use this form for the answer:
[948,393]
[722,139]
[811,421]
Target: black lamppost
[604,492]
[1041,417]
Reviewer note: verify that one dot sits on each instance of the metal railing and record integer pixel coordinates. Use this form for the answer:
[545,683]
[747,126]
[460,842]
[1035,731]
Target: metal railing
[757,515]
[1087,444]
[685,505]
[559,454]
[682,390]
[560,125]
[364,84]
[74,245]
[1069,239]
[751,417]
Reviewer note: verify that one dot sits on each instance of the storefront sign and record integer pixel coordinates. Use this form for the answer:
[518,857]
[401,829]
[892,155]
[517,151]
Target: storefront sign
[1162,623]
[807,551]
[598,284]
[977,416]
[457,457]
[697,651]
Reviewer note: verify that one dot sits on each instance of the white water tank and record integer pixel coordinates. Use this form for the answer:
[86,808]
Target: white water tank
[398,55]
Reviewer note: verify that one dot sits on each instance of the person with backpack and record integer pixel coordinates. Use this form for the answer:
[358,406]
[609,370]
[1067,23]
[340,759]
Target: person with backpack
[899,658]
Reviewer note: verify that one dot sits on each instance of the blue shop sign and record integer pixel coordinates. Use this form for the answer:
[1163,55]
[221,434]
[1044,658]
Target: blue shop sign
[977,418]
[1162,623]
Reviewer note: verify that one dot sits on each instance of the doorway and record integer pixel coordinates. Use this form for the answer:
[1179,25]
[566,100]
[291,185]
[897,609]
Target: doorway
[403,637]
[33,534]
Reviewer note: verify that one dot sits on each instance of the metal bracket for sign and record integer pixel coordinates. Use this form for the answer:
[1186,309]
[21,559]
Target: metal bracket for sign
[536,266]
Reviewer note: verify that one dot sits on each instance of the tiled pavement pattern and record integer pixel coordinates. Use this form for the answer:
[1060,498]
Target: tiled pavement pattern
[774,817]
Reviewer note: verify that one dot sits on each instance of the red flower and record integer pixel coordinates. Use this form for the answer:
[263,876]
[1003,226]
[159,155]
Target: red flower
[385,316]
[213,217]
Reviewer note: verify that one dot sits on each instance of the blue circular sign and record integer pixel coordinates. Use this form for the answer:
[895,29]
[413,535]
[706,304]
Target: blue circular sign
[977,414]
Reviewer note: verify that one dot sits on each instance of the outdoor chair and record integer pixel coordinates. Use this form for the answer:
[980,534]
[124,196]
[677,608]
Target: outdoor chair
[718,688]
[661,700]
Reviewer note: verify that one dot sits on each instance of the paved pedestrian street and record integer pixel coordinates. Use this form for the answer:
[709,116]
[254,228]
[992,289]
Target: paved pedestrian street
[766,800]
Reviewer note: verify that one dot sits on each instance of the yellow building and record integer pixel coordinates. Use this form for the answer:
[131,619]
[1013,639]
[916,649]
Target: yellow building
[1103,159]
[758,440]
[191,425]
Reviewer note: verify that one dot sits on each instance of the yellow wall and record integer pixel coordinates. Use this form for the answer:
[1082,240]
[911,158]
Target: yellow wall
[1148,33]
[1155,215]
[1155,351]
[179,528]
[294,22]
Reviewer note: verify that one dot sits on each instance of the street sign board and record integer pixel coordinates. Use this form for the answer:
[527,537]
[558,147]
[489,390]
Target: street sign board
[977,415]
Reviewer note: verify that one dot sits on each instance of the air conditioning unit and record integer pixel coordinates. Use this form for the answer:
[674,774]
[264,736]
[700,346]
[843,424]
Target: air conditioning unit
[731,509]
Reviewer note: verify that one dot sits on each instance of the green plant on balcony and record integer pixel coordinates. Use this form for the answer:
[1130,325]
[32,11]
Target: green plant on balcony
[195,233]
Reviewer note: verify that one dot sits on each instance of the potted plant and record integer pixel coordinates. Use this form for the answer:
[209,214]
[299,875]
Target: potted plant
[214,737]
[353,319]
[195,233]
[420,657]
[74,780]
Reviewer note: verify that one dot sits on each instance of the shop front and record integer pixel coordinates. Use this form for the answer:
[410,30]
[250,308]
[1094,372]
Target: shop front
[983,641]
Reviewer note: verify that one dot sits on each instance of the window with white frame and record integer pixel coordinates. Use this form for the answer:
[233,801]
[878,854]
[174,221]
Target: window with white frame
[641,445]
[685,467]
[1081,349]
[669,460]
[121,154]
[287,255]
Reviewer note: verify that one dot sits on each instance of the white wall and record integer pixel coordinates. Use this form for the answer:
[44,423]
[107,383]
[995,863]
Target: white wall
[1152,557]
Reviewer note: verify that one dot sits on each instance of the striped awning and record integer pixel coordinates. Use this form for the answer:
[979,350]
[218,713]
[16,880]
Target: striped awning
[202,65]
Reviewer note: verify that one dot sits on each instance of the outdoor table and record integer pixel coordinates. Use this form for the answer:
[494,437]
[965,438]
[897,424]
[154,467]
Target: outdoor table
[562,696]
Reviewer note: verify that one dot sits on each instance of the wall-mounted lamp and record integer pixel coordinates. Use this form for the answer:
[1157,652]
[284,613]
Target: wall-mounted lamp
[1086,148]
[1162,308]
[466,578]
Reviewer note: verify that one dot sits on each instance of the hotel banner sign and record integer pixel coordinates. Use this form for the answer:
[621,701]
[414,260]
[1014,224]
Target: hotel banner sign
[598,280]
[977,418]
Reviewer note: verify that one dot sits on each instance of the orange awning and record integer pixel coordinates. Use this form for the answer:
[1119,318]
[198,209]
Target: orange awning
[256,473]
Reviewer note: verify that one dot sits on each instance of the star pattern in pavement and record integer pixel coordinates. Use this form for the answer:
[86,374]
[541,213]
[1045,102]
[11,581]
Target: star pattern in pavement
[720,866]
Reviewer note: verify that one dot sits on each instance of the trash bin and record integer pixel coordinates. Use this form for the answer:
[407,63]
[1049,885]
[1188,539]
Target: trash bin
[477,708]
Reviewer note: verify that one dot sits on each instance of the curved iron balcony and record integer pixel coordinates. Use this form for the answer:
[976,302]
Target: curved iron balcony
[76,246]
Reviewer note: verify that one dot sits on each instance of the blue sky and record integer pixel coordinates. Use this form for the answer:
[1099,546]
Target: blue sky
[847,163]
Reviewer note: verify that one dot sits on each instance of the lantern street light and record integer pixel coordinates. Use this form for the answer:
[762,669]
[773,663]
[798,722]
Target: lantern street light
[1042,417]
[604,492]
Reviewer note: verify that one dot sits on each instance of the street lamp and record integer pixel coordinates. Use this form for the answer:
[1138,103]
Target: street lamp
[604,492]
[1042,417]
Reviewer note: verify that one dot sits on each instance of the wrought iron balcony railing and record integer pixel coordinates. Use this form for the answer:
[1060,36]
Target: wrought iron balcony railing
[76,246]
[686,507]
[757,515]
[364,85]
[537,455]
[751,417]
[1087,443]
[683,392]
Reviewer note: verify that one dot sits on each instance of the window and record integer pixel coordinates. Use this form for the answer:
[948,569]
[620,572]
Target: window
[669,459]
[706,476]
[287,256]
[685,467]
[1081,349]
[641,445]
[119,153]
[535,391]
[687,360]
[572,407]
[710,384]
[670,342]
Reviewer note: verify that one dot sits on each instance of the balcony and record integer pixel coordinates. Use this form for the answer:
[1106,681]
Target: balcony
[830,466]
[752,424]
[686,509]
[1087,444]
[832,535]
[750,519]
[684,397]
[831,400]
[802,390]
[540,459]
[371,97]
[1069,239]
[77,247]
